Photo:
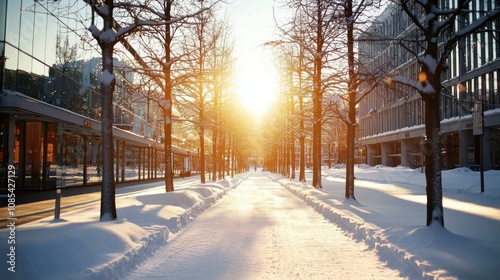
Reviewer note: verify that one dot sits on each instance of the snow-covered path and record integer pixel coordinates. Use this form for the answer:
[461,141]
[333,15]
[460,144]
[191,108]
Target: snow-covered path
[261,231]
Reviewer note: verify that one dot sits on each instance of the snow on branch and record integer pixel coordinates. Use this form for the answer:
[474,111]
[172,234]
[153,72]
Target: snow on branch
[111,35]
[96,32]
[423,87]
[106,77]
[165,104]
[108,36]
[99,7]
[430,62]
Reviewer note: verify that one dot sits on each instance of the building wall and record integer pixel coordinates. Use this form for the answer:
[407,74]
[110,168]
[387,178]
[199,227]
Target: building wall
[395,114]
[51,62]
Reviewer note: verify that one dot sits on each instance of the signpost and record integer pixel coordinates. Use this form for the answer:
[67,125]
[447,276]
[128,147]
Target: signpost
[477,129]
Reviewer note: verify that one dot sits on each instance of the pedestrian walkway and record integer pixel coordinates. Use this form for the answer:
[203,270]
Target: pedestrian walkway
[34,205]
[262,231]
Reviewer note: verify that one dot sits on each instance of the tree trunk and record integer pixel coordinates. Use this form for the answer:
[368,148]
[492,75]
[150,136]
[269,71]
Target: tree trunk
[169,175]
[302,138]
[202,155]
[222,155]
[433,180]
[292,156]
[351,118]
[349,178]
[108,205]
[231,154]
[292,137]
[317,102]
[302,142]
[288,164]
[317,147]
[214,155]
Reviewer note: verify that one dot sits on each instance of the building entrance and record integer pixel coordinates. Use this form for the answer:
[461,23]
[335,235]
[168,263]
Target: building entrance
[33,154]
[34,144]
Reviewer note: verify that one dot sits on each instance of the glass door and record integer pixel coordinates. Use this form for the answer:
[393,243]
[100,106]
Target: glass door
[34,155]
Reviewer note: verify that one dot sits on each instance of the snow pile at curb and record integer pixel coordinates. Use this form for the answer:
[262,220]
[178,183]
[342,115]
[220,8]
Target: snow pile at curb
[79,247]
[159,234]
[361,230]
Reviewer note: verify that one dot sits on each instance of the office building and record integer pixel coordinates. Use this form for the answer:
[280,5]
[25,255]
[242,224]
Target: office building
[392,131]
[50,103]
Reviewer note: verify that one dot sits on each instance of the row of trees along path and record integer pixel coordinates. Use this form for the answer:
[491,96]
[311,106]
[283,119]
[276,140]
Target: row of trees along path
[323,34]
[317,50]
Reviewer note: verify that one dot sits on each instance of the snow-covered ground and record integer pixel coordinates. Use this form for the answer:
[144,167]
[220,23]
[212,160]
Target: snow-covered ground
[262,231]
[388,218]
[390,215]
[78,246]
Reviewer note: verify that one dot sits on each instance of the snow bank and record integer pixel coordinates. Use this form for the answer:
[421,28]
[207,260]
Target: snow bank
[359,229]
[390,219]
[80,247]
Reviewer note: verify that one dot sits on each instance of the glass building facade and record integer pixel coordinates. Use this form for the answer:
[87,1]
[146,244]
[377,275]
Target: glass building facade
[392,119]
[50,103]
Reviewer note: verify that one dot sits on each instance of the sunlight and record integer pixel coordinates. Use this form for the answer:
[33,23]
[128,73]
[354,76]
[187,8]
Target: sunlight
[448,203]
[457,205]
[257,87]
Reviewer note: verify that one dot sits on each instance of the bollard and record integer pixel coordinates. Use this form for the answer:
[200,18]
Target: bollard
[57,209]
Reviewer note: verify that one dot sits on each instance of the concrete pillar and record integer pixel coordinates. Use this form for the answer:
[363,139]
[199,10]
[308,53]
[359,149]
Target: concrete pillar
[406,147]
[123,162]
[387,148]
[371,150]
[117,161]
[487,165]
[85,159]
[466,142]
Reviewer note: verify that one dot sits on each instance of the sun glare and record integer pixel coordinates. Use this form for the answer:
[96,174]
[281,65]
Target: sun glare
[256,87]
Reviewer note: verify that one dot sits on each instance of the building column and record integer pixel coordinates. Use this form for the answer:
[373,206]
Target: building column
[123,162]
[406,148]
[85,159]
[386,149]
[139,163]
[155,164]
[466,148]
[149,162]
[117,161]
[371,151]
[487,165]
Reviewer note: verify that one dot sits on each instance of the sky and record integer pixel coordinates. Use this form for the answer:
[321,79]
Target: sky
[256,75]
[246,226]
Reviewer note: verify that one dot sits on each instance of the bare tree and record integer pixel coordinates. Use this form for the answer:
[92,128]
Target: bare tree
[220,62]
[134,16]
[201,40]
[291,51]
[290,58]
[355,80]
[158,42]
[440,26]
[314,27]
